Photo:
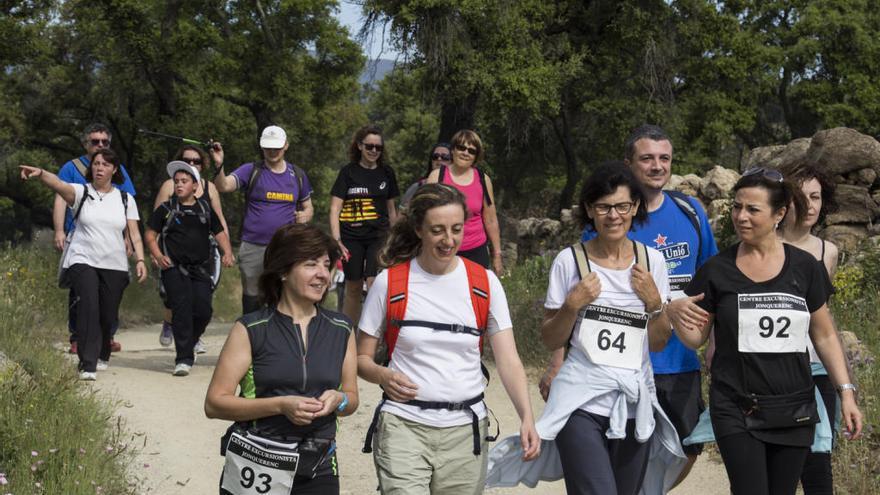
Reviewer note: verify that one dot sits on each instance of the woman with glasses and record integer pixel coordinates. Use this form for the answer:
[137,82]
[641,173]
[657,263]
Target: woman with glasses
[482,223]
[361,212]
[196,157]
[606,303]
[765,300]
[441,155]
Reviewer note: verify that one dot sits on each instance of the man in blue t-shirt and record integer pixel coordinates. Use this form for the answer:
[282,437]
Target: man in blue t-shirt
[95,137]
[678,227]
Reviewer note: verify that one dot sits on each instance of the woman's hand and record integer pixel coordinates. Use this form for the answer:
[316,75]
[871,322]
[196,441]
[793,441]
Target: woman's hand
[398,386]
[300,410]
[530,441]
[28,172]
[852,417]
[497,265]
[227,260]
[140,267]
[342,249]
[645,288]
[585,292]
[684,314]
[216,152]
[330,400]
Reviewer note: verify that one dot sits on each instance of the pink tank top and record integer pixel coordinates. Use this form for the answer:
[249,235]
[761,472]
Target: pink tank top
[474,233]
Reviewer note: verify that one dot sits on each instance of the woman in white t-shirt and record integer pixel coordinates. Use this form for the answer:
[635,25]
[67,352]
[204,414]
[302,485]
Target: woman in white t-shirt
[95,257]
[431,427]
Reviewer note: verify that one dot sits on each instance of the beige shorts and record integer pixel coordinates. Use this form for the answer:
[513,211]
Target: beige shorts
[250,264]
[414,459]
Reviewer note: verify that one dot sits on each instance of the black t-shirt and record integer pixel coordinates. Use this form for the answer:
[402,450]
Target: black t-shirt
[365,194]
[188,240]
[800,288]
[280,368]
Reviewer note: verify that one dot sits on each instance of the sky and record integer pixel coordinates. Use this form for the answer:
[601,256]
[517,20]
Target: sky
[350,15]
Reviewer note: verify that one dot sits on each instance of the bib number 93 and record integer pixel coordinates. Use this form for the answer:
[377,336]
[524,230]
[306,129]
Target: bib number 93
[248,478]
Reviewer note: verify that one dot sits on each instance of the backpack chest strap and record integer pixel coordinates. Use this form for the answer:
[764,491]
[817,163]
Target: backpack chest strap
[444,327]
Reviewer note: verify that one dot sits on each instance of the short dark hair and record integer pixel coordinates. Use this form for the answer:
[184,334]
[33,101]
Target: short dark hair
[291,245]
[605,180]
[112,158]
[95,127]
[781,193]
[354,152]
[803,171]
[644,131]
[433,149]
[198,149]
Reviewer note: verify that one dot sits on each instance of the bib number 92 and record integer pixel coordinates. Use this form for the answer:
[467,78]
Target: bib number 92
[248,478]
[768,327]
[605,341]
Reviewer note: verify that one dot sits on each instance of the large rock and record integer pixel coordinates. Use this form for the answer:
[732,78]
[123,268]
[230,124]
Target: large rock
[856,352]
[718,183]
[856,205]
[780,156]
[690,185]
[842,150]
[537,227]
[846,236]
[719,208]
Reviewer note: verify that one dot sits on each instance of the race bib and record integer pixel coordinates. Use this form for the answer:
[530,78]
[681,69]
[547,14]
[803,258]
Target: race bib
[613,337]
[258,466]
[677,284]
[772,322]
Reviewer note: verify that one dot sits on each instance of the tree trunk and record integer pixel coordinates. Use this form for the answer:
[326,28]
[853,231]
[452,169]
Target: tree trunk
[456,115]
[562,129]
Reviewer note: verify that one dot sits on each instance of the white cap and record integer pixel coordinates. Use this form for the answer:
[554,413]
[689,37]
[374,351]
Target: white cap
[273,137]
[177,166]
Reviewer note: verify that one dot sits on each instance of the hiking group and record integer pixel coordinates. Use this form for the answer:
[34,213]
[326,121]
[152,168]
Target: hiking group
[627,307]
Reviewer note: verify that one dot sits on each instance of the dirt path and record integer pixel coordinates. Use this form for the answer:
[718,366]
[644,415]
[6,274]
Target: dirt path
[180,447]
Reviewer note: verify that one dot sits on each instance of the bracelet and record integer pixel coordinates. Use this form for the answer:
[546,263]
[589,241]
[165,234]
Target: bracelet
[140,261]
[657,312]
[342,405]
[846,386]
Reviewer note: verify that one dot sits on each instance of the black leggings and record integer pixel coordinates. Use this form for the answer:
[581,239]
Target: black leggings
[758,468]
[479,255]
[189,298]
[99,292]
[816,478]
[593,464]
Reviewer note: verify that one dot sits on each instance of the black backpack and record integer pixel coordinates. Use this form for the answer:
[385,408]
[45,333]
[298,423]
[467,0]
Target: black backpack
[480,174]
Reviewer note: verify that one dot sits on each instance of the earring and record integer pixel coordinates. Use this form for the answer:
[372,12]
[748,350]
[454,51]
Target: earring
[776,226]
[284,279]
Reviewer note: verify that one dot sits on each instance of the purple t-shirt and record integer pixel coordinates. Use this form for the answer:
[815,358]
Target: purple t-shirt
[272,202]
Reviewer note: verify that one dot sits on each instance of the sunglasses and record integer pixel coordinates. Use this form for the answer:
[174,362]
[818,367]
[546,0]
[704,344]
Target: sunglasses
[102,142]
[372,147]
[473,151]
[441,156]
[604,208]
[192,161]
[767,173]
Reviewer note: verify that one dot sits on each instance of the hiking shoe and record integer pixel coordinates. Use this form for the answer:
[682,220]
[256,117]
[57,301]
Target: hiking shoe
[102,365]
[200,348]
[88,376]
[73,348]
[167,336]
[115,346]
[182,369]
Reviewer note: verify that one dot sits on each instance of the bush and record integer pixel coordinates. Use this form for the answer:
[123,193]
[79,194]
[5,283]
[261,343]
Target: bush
[526,287]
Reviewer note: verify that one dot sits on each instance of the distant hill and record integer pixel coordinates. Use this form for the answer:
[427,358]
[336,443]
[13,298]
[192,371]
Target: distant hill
[375,71]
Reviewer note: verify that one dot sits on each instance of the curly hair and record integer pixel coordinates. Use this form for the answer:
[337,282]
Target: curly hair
[354,152]
[198,149]
[802,171]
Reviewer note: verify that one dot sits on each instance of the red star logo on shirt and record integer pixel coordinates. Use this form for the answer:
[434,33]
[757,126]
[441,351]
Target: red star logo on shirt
[660,241]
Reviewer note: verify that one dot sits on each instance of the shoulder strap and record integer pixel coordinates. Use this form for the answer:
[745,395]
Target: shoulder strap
[80,166]
[478,285]
[298,174]
[579,251]
[482,176]
[256,170]
[681,201]
[822,256]
[441,174]
[398,288]
[641,252]
[86,195]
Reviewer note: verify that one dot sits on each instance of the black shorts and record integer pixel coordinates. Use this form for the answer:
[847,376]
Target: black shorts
[681,398]
[364,259]
[479,255]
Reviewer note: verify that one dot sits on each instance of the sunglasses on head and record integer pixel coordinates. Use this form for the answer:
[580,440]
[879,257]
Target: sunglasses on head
[373,147]
[440,156]
[102,142]
[470,149]
[767,173]
[192,161]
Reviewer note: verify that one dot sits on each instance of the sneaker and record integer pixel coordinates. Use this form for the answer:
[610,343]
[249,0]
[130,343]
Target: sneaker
[73,348]
[115,346]
[167,336]
[200,348]
[88,376]
[102,365]
[181,369]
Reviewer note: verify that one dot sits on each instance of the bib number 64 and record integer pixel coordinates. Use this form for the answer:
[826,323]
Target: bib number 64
[606,343]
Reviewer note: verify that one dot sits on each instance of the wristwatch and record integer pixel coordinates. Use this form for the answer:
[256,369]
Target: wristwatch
[846,386]
[657,312]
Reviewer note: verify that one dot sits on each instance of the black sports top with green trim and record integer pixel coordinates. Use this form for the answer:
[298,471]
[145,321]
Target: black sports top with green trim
[280,367]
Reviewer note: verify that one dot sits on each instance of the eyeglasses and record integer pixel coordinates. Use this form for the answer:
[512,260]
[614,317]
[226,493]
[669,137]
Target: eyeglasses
[604,208]
[441,156]
[470,149]
[102,142]
[372,147]
[192,161]
[767,173]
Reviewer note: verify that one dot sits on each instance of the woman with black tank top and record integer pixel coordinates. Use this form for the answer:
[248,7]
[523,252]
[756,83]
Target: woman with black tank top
[197,158]
[765,300]
[296,365]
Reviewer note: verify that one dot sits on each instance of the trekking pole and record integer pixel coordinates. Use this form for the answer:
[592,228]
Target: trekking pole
[176,138]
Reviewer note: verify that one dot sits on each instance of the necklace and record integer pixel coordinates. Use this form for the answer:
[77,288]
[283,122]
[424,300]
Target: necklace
[101,196]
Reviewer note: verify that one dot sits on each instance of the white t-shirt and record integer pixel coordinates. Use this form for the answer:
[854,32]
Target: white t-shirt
[617,293]
[444,365]
[97,239]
